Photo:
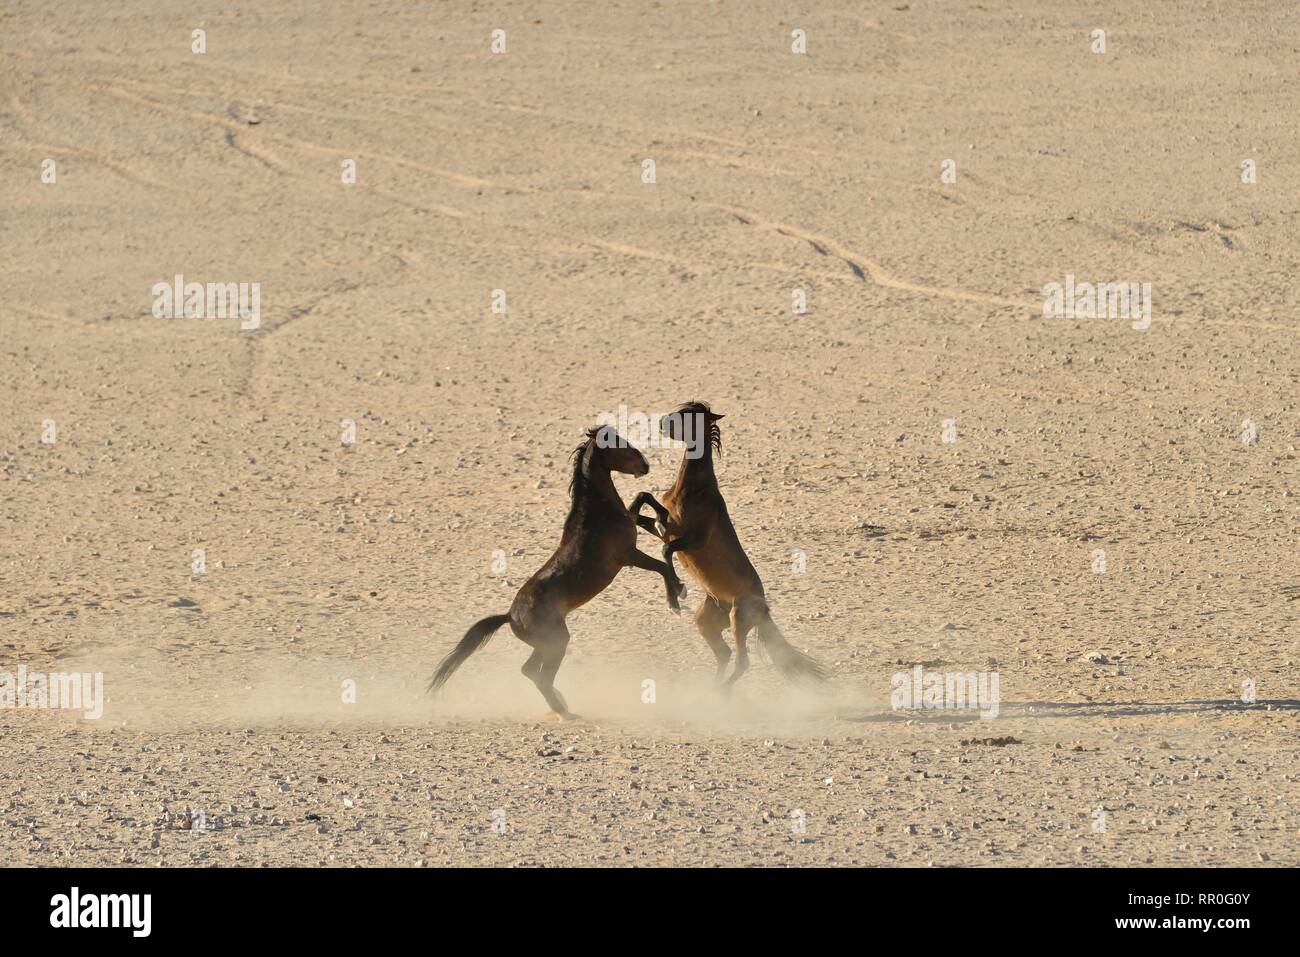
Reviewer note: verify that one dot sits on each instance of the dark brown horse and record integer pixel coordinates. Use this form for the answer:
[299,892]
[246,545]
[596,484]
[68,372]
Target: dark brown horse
[599,540]
[694,523]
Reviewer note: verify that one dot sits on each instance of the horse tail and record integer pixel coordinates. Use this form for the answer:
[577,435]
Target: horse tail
[793,664]
[474,639]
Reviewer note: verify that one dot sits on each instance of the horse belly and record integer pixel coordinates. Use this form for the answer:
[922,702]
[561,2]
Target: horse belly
[587,588]
[602,561]
[722,574]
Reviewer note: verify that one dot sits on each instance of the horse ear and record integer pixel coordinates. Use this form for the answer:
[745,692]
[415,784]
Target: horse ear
[713,416]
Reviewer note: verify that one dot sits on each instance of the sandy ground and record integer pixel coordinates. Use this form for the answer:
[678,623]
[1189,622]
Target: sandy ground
[226,738]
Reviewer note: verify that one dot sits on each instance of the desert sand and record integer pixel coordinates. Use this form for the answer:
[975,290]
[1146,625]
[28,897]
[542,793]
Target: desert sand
[923,466]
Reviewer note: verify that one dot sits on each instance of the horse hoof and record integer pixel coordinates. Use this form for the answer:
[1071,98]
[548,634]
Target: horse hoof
[559,717]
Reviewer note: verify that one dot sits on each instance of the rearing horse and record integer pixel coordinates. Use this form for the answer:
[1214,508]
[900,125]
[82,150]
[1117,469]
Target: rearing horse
[599,540]
[694,523]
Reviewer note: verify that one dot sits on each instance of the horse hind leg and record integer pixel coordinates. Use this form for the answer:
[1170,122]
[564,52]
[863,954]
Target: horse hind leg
[710,620]
[549,646]
[533,666]
[746,613]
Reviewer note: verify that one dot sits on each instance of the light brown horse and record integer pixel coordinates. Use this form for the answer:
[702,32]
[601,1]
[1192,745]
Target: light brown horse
[599,540]
[694,523]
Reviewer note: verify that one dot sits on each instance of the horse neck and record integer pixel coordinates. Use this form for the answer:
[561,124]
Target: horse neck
[597,484]
[697,473]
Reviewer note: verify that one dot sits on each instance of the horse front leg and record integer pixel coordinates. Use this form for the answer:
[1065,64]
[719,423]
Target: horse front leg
[648,523]
[673,584]
[681,544]
[661,513]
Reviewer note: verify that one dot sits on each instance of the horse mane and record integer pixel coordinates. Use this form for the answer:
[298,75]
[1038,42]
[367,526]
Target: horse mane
[578,483]
[715,433]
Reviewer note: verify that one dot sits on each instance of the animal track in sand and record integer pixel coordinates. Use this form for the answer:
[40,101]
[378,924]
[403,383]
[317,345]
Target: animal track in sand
[231,126]
[861,266]
[124,170]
